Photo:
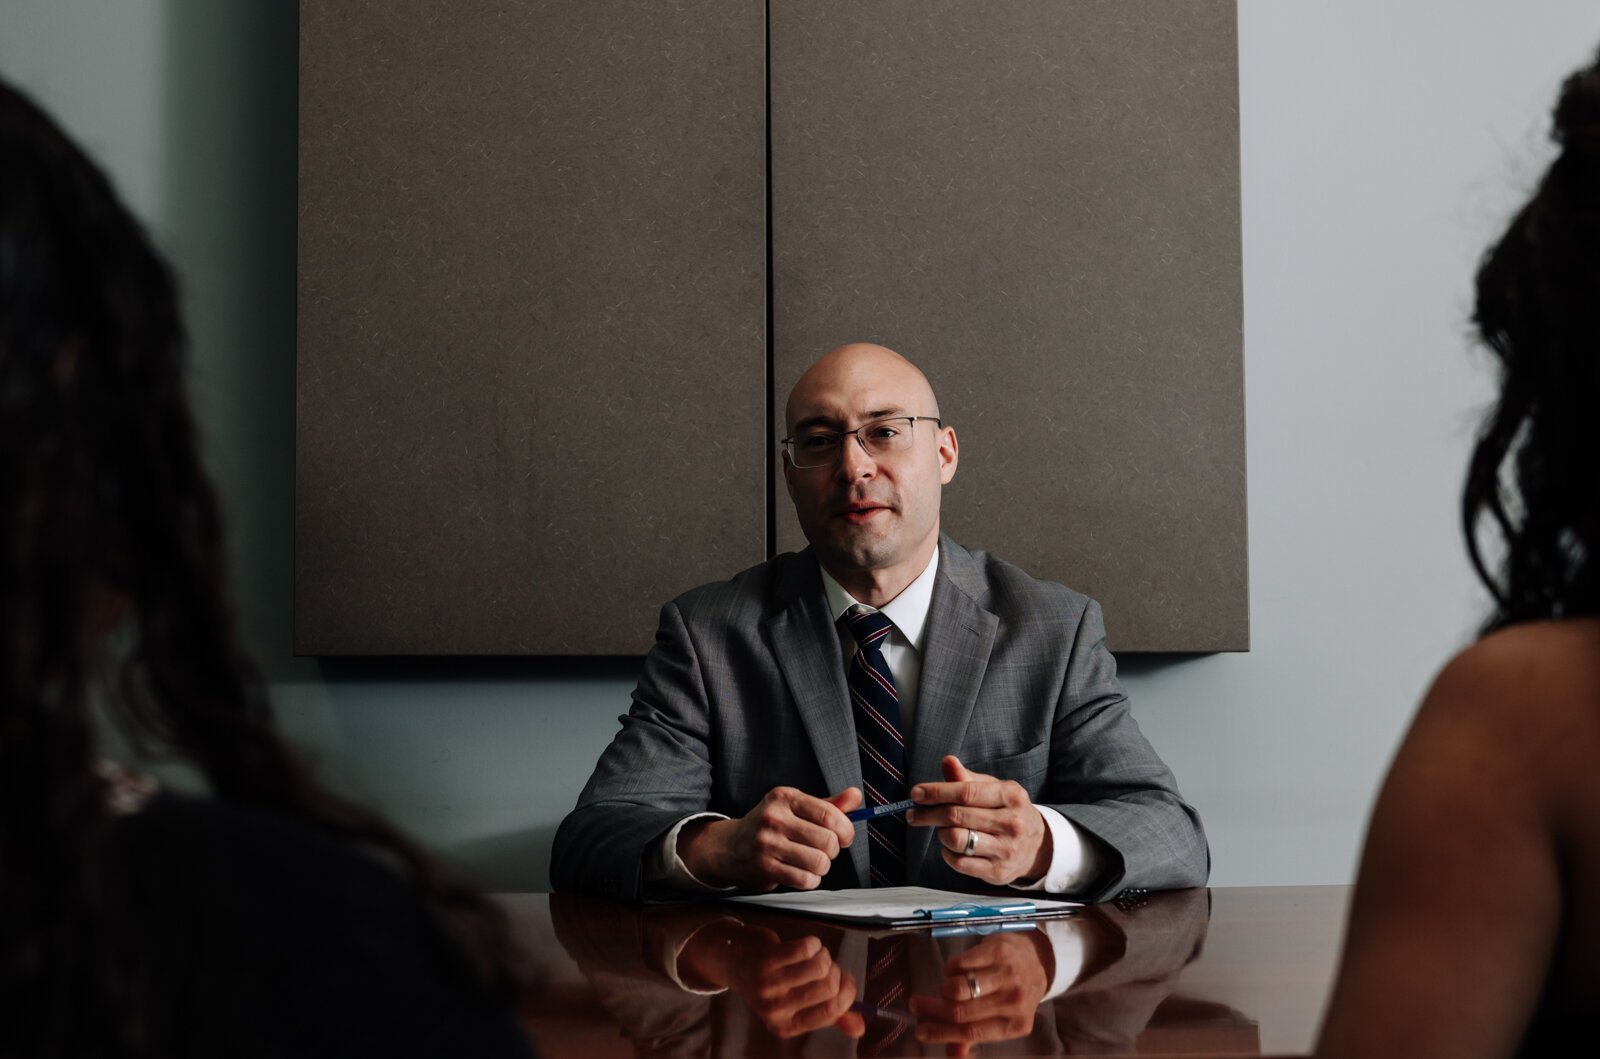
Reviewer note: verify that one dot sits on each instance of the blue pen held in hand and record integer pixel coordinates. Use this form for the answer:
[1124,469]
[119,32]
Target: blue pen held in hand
[872,812]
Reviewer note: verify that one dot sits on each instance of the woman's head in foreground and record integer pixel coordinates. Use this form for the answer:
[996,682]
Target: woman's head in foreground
[1535,473]
[111,533]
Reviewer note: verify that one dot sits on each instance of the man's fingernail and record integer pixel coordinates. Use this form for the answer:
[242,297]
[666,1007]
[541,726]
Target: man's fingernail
[918,793]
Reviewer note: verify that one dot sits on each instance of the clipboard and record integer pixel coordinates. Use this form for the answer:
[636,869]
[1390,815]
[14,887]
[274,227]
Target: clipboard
[911,907]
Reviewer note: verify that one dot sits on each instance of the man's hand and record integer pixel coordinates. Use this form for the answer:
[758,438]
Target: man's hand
[993,818]
[793,987]
[990,993]
[789,839]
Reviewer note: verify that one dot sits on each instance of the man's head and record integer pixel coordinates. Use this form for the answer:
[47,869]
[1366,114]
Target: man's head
[873,517]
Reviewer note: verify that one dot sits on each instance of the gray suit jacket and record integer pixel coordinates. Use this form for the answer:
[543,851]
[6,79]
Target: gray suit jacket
[744,691]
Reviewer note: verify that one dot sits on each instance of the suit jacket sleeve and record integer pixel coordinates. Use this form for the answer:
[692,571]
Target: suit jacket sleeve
[657,770]
[1108,780]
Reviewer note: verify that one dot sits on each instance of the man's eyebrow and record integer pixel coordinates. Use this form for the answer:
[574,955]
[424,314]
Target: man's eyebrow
[831,423]
[815,421]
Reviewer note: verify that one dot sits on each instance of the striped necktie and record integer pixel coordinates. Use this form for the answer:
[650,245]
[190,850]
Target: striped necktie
[885,985]
[876,706]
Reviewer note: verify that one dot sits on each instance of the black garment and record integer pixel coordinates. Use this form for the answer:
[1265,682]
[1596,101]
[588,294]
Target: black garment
[245,933]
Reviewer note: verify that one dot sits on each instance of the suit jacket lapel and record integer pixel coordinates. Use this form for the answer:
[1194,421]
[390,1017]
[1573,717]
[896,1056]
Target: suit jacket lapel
[806,645]
[955,655]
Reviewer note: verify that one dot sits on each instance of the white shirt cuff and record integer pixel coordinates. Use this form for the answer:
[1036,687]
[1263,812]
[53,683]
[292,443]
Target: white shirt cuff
[668,869]
[1073,861]
[669,958]
[1066,941]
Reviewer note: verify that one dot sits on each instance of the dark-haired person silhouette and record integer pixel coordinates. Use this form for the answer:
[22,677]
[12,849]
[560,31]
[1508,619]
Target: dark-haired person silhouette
[1475,929]
[269,917]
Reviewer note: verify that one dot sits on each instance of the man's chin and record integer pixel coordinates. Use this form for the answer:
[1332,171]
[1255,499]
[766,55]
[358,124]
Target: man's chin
[856,553]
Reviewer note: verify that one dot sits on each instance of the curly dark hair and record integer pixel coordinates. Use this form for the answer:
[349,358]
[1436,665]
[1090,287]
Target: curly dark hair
[1535,472]
[109,521]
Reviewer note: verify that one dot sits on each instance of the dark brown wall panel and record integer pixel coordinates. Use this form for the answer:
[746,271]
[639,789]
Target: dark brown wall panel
[1039,202]
[531,379]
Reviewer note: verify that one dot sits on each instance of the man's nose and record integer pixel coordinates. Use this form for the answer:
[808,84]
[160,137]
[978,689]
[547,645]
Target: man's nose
[854,460]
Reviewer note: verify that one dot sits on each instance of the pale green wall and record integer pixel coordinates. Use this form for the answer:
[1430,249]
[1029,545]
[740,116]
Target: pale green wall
[1382,144]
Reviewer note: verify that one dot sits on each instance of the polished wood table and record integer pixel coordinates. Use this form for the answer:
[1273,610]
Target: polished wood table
[1229,971]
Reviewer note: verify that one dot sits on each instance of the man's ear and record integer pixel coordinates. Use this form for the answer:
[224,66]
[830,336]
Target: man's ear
[949,454]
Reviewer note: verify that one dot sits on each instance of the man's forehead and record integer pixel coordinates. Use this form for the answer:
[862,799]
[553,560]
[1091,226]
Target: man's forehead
[858,387]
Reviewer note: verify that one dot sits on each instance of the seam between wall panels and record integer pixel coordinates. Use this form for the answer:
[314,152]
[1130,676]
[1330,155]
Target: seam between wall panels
[770,518]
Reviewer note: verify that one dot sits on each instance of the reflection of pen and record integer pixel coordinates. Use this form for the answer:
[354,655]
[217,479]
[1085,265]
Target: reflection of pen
[872,812]
[1009,926]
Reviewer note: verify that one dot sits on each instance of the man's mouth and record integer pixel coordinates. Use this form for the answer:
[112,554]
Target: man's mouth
[862,512]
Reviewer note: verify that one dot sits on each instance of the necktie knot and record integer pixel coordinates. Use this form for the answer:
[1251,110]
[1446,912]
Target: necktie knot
[868,626]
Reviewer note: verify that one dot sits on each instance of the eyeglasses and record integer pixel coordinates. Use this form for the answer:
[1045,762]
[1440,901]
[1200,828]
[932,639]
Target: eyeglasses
[879,438]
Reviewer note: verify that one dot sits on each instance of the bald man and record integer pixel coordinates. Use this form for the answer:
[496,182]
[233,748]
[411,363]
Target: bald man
[885,656]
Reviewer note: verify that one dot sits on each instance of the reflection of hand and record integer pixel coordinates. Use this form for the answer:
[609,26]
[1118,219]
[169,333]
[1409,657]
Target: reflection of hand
[793,987]
[990,992]
[994,818]
[789,839]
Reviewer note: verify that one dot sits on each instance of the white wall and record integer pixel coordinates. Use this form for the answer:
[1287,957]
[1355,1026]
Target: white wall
[1383,146]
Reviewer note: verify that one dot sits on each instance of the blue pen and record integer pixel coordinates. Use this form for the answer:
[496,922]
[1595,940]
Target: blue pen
[973,910]
[872,812]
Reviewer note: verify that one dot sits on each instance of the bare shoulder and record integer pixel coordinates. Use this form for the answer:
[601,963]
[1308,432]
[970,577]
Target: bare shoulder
[1547,669]
[1489,804]
[1528,694]
[1572,643]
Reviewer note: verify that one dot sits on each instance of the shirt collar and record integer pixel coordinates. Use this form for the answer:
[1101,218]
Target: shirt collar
[908,610]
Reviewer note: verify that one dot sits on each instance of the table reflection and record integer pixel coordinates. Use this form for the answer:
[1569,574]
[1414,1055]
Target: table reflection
[716,980]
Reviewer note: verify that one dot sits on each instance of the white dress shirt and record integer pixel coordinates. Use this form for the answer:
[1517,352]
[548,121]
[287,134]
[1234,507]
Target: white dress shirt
[1073,861]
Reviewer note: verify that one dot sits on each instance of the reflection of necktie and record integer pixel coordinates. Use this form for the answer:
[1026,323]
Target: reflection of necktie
[883,749]
[888,965]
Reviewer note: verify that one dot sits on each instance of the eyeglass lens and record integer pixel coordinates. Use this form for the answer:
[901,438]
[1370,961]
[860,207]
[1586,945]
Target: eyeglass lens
[814,448]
